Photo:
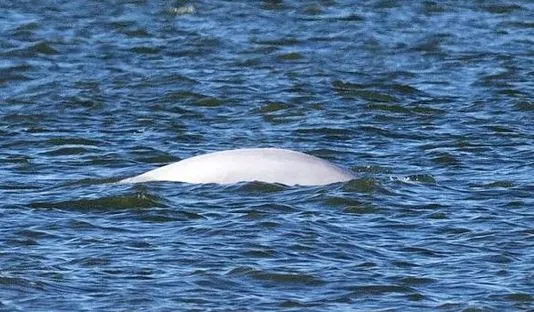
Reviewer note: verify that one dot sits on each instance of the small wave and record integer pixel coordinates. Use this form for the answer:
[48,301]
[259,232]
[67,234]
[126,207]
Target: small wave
[260,187]
[364,290]
[108,203]
[41,47]
[276,277]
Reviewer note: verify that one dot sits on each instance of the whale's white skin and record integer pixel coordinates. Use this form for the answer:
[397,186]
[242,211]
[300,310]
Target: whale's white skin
[271,165]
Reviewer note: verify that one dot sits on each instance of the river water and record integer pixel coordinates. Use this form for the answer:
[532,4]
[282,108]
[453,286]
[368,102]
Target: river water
[430,104]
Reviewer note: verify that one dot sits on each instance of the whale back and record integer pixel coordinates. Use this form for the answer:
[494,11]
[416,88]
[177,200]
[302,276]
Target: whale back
[269,165]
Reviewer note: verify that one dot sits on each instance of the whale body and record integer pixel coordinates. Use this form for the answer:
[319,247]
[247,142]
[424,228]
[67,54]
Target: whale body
[271,165]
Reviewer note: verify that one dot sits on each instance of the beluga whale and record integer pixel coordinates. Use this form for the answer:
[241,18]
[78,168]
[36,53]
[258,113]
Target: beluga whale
[270,165]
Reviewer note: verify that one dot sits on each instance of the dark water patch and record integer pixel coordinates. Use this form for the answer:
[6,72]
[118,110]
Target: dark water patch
[92,262]
[290,56]
[271,107]
[73,141]
[389,108]
[404,89]
[150,155]
[168,215]
[497,258]
[515,204]
[313,9]
[332,133]
[416,297]
[317,14]
[279,278]
[518,24]
[284,41]
[350,18]
[105,204]
[255,211]
[13,77]
[17,282]
[109,160]
[519,297]
[324,153]
[249,62]
[446,159]
[524,106]
[495,184]
[347,89]
[341,202]
[431,44]
[21,118]
[296,304]
[389,134]
[80,224]
[259,253]
[18,159]
[213,282]
[363,185]
[411,110]
[427,111]
[194,98]
[274,5]
[426,252]
[416,281]
[342,87]
[465,145]
[33,50]
[404,264]
[377,290]
[84,182]
[14,187]
[494,80]
[27,26]
[386,4]
[145,50]
[209,102]
[176,78]
[22,242]
[289,116]
[141,245]
[500,129]
[361,209]
[259,188]
[35,234]
[501,8]
[130,28]
[512,93]
[433,7]
[135,32]
[66,151]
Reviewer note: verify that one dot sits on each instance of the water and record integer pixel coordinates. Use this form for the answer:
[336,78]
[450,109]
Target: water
[431,104]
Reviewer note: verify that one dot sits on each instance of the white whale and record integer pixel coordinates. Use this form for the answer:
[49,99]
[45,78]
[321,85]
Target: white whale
[271,165]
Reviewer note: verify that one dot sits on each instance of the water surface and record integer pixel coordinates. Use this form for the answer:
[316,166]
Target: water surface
[430,104]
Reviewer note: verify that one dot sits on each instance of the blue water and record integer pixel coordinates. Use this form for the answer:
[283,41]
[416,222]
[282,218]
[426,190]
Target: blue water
[430,104]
